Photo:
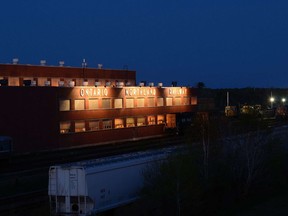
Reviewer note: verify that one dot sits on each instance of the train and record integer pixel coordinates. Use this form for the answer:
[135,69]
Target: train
[93,186]
[254,110]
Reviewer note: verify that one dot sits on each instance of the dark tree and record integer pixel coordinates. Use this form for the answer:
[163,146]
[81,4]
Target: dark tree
[201,85]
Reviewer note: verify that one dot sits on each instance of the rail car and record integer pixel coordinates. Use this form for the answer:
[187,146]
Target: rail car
[92,186]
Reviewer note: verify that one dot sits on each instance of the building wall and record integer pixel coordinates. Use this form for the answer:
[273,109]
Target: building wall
[102,136]
[30,116]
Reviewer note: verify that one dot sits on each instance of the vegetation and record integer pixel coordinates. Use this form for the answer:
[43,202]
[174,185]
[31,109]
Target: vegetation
[217,175]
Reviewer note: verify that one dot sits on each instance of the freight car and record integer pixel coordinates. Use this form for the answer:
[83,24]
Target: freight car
[89,187]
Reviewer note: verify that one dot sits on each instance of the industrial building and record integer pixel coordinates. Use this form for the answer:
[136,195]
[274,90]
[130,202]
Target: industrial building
[54,107]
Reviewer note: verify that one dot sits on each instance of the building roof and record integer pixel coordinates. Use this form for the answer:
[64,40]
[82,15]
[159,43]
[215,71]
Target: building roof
[19,70]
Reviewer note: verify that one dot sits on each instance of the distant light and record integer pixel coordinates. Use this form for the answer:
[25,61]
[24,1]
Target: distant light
[283,100]
[272,99]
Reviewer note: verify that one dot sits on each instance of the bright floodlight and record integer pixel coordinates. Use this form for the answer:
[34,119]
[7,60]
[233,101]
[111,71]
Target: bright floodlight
[283,100]
[272,99]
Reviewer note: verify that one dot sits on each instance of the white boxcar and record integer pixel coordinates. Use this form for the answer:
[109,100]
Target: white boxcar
[88,187]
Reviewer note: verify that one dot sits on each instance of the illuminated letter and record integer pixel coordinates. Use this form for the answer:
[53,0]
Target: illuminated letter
[81,92]
[105,92]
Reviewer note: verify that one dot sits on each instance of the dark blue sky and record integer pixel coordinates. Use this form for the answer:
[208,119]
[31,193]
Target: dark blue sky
[223,43]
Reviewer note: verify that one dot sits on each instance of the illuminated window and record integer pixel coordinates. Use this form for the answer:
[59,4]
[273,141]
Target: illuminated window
[65,127]
[79,104]
[93,104]
[171,120]
[151,102]
[107,124]
[140,102]
[141,121]
[119,123]
[177,101]
[93,125]
[106,103]
[168,101]
[151,120]
[118,103]
[186,101]
[64,105]
[194,100]
[80,126]
[12,81]
[160,119]
[130,122]
[160,102]
[129,103]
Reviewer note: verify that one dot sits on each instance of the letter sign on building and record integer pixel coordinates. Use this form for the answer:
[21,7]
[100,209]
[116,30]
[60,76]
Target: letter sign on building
[93,92]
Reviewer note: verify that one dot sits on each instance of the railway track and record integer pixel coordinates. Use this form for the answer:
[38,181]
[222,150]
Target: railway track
[20,203]
[23,185]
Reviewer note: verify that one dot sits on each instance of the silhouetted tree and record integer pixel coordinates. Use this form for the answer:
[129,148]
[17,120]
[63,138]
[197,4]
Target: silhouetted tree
[212,176]
[201,85]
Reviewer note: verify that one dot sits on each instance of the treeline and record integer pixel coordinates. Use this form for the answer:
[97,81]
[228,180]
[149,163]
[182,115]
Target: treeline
[218,175]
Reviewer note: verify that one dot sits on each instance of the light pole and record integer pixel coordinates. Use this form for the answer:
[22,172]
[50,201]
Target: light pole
[84,65]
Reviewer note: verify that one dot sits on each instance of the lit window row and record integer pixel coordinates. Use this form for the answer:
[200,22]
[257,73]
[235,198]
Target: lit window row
[106,124]
[117,103]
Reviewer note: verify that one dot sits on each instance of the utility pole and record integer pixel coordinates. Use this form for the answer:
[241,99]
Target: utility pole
[84,65]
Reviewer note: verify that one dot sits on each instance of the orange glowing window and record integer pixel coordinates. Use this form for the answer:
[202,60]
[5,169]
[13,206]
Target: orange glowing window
[106,103]
[186,101]
[140,102]
[129,103]
[168,101]
[65,127]
[194,100]
[107,124]
[151,102]
[160,102]
[64,105]
[177,101]
[79,104]
[80,126]
[141,121]
[130,122]
[118,103]
[151,120]
[119,123]
[93,103]
[160,119]
[93,125]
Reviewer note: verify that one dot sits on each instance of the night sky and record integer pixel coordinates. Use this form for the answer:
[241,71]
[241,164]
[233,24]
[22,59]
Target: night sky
[223,43]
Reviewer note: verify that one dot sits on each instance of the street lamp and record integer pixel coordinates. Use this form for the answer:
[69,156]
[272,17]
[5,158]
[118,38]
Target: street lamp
[272,99]
[283,100]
